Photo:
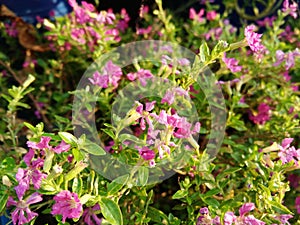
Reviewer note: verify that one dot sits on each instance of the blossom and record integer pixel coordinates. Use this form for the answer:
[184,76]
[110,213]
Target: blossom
[44,144]
[89,215]
[289,58]
[263,114]
[67,204]
[196,16]
[106,17]
[297,204]
[254,39]
[247,207]
[144,114]
[288,153]
[142,75]
[146,153]
[22,208]
[251,220]
[232,64]
[291,9]
[11,29]
[229,218]
[268,21]
[144,31]
[211,15]
[30,175]
[110,75]
[284,218]
[169,96]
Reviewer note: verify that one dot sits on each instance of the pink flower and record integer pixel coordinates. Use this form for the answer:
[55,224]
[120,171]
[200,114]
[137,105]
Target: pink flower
[169,96]
[247,207]
[232,64]
[287,153]
[196,16]
[30,175]
[297,204]
[211,15]
[251,220]
[268,21]
[78,34]
[262,116]
[284,218]
[291,9]
[11,29]
[89,215]
[142,75]
[229,218]
[144,31]
[44,144]
[22,214]
[62,147]
[146,153]
[106,17]
[254,39]
[67,204]
[110,75]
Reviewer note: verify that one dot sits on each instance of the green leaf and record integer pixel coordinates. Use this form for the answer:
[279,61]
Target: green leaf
[29,126]
[109,133]
[130,137]
[77,185]
[111,211]
[117,184]
[211,192]
[48,160]
[92,148]
[180,194]
[227,172]
[143,176]
[279,207]
[3,200]
[78,155]
[204,52]
[68,138]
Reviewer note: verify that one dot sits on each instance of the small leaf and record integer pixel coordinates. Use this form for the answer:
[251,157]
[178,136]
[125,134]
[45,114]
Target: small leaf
[180,194]
[68,138]
[143,176]
[130,137]
[111,211]
[117,184]
[204,52]
[92,148]
[3,200]
[28,81]
[279,207]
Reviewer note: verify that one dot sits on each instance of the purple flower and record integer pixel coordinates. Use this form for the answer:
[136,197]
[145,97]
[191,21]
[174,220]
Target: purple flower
[288,153]
[297,204]
[232,64]
[11,29]
[142,75]
[31,175]
[62,147]
[268,21]
[169,96]
[229,218]
[251,220]
[196,16]
[204,210]
[146,153]
[284,218]
[291,9]
[67,204]
[247,207]
[106,17]
[110,75]
[211,15]
[262,116]
[254,39]
[22,214]
[89,215]
[44,143]
[144,31]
